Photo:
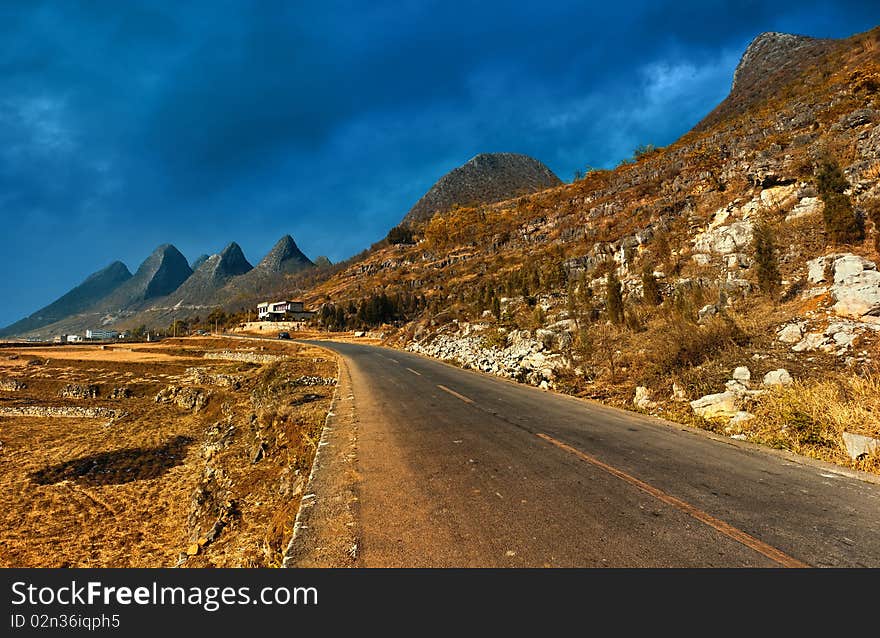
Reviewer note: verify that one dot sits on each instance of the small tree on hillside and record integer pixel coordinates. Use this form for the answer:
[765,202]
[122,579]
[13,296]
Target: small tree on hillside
[614,298]
[872,208]
[650,289]
[401,234]
[496,307]
[829,177]
[842,224]
[766,262]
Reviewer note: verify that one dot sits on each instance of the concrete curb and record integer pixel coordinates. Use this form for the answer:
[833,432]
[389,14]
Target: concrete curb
[325,526]
[324,530]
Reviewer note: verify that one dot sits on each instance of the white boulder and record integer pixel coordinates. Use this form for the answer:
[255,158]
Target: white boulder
[805,207]
[713,406]
[811,341]
[778,377]
[791,333]
[858,445]
[642,398]
[778,196]
[725,240]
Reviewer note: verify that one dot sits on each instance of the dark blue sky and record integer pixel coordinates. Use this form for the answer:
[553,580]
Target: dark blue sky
[124,125]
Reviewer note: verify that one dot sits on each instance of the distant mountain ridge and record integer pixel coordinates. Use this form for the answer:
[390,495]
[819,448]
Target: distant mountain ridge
[164,286]
[212,274]
[95,287]
[485,179]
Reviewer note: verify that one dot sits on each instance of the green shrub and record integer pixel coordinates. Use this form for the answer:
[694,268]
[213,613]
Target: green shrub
[766,263]
[650,289]
[614,298]
[400,235]
[842,224]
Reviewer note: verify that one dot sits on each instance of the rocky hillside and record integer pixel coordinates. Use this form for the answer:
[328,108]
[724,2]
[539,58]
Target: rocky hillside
[96,286]
[198,261]
[727,281]
[159,274]
[485,179]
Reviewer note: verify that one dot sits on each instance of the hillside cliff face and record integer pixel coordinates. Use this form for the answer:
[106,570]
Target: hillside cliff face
[485,179]
[520,288]
[772,61]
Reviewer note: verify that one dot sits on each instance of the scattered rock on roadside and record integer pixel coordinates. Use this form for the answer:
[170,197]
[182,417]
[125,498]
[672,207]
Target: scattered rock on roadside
[778,377]
[858,446]
[642,398]
[712,406]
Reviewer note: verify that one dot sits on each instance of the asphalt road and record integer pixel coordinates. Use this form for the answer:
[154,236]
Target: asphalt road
[462,469]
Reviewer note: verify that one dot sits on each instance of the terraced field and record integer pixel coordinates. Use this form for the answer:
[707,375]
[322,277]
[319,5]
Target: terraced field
[155,455]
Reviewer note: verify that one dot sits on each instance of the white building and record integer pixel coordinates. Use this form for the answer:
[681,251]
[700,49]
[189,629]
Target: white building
[101,334]
[283,310]
[74,338]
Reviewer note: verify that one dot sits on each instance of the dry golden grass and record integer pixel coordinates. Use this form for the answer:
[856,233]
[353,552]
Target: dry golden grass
[131,353]
[142,490]
[809,417]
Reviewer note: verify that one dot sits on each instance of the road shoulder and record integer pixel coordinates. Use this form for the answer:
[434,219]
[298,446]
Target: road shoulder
[325,532]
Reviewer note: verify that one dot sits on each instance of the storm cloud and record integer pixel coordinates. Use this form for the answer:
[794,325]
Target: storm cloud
[126,125]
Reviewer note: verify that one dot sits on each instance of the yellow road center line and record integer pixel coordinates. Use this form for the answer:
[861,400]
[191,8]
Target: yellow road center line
[454,393]
[727,529]
[414,372]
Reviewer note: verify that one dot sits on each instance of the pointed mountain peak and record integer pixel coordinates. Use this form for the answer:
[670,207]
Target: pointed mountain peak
[91,290]
[116,271]
[163,271]
[285,257]
[233,261]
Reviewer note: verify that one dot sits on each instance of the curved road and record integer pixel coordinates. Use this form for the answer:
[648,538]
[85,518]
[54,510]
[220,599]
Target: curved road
[457,468]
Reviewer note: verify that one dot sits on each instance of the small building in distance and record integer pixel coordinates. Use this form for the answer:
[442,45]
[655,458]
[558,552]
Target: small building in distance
[94,335]
[283,311]
[74,338]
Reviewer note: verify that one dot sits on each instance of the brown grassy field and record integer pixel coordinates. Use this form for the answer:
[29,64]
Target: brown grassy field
[201,462]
